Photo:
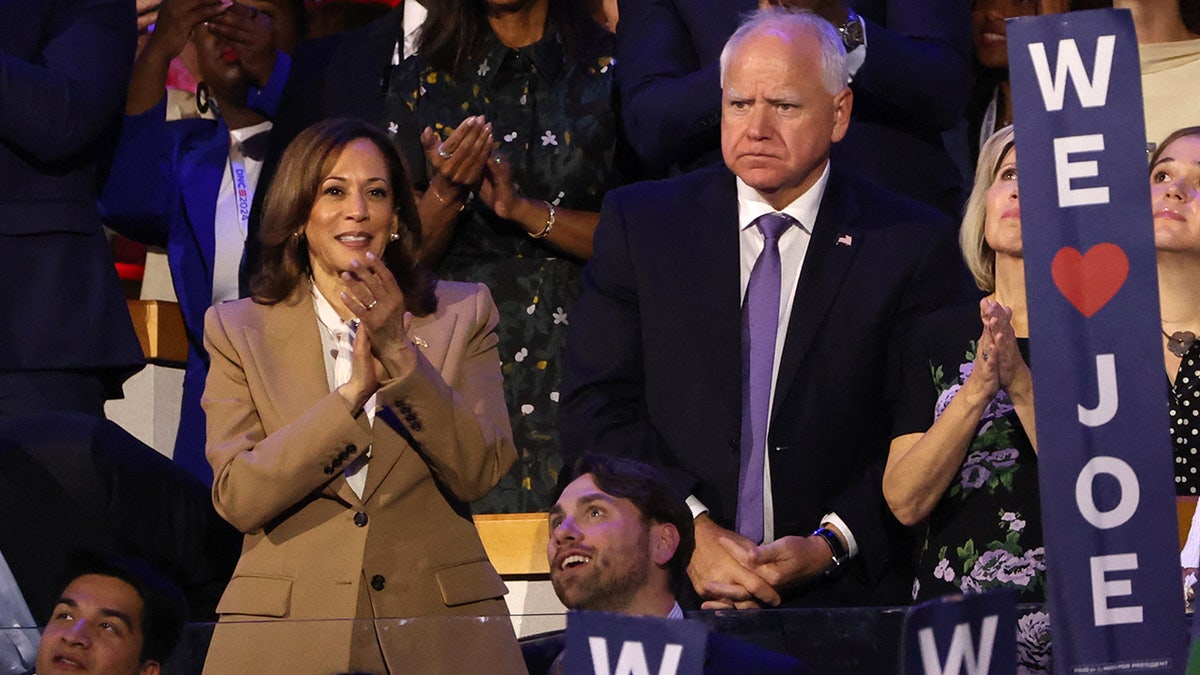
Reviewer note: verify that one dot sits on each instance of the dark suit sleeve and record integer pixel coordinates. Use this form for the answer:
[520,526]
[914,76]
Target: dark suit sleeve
[142,185]
[918,65]
[58,105]
[938,280]
[603,407]
[668,97]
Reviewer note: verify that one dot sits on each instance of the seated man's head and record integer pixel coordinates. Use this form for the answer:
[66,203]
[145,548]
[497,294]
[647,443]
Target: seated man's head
[620,538]
[115,617]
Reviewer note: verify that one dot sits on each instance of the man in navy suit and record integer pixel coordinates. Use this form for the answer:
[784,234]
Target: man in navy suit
[66,340]
[910,61]
[620,541]
[654,366]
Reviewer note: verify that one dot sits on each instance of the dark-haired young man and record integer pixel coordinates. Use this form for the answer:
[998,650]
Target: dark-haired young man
[620,541]
[113,618]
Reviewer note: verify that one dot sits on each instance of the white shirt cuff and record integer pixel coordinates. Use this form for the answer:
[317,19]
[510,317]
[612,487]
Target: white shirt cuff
[833,519]
[697,507]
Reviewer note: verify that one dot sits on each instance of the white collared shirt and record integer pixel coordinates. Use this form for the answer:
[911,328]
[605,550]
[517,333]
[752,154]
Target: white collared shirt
[793,246]
[337,346]
[228,227]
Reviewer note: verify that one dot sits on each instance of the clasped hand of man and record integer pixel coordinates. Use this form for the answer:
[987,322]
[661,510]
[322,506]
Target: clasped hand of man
[730,572]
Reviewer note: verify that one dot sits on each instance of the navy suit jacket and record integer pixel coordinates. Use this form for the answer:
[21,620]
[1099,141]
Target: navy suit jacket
[913,86]
[340,75]
[64,68]
[653,358]
[163,191]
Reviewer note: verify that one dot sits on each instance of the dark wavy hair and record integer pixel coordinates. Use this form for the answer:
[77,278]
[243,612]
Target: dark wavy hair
[654,498]
[453,32]
[1171,138]
[305,163]
[164,608]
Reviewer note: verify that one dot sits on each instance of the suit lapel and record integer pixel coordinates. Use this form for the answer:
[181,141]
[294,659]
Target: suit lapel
[835,240]
[200,181]
[284,353]
[712,232]
[431,336]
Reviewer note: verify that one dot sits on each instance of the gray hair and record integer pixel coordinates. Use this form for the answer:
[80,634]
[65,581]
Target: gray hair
[794,23]
[980,257]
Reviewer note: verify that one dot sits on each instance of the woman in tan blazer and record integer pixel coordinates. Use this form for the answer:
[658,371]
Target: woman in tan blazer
[354,408]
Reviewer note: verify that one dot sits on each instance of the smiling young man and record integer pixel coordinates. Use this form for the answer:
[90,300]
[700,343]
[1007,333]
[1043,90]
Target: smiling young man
[620,542]
[113,618]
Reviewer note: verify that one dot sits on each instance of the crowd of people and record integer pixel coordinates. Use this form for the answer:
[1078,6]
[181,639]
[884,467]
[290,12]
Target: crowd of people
[715,291]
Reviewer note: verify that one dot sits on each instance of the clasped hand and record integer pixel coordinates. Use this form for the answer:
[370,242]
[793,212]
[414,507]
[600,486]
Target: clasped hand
[731,572]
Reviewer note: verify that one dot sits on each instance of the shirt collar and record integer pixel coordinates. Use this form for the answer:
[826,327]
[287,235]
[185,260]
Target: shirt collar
[804,209]
[546,55]
[327,315]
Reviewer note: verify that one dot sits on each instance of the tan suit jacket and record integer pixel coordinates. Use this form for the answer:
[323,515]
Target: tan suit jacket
[278,439]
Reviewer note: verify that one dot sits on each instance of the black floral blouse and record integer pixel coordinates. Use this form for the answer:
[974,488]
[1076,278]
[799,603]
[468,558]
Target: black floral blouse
[986,532]
[552,113]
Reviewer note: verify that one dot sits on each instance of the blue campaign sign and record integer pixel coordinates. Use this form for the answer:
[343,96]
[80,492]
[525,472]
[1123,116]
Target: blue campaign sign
[973,634]
[600,643]
[1102,422]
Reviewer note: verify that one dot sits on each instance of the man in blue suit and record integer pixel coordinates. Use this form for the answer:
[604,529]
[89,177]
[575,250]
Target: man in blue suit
[658,358]
[66,340]
[620,541]
[911,68]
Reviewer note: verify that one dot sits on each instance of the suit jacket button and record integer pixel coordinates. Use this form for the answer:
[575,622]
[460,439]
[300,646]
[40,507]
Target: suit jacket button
[378,582]
[360,519]
[328,470]
[734,445]
[350,449]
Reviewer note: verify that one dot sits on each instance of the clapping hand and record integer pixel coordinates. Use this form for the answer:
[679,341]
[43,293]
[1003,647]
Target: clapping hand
[461,156]
[249,32]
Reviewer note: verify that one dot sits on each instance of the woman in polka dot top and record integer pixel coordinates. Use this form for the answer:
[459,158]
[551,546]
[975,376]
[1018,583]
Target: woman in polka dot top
[1175,195]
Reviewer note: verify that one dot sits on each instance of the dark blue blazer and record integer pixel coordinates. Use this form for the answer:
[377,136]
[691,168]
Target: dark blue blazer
[653,359]
[64,68]
[913,86]
[163,191]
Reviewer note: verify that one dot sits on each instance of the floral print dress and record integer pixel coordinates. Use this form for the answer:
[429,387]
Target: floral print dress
[986,532]
[551,112]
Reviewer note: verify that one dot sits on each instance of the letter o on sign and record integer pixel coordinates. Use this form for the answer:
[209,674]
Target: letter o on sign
[1130,492]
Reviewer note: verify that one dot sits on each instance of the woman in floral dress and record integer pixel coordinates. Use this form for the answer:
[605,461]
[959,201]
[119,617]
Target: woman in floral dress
[535,78]
[964,458]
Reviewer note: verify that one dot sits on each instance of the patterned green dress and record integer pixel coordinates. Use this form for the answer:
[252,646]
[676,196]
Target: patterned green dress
[552,113]
[986,532]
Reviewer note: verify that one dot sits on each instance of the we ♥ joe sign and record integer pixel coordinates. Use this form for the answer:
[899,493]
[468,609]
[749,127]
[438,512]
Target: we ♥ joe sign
[1107,479]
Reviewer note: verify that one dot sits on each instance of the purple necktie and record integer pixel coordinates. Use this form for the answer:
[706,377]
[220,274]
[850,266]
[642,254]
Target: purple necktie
[760,322]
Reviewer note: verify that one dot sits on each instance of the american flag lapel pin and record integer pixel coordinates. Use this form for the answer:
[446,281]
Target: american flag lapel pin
[845,240]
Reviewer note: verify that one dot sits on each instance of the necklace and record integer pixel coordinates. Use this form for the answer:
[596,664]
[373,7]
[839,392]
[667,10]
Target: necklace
[1179,342]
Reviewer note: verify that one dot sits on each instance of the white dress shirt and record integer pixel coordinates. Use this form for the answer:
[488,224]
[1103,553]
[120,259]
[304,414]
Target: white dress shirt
[793,245]
[337,346]
[230,222]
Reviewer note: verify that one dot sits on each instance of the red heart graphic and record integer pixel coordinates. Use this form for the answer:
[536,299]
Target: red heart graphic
[1089,280]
